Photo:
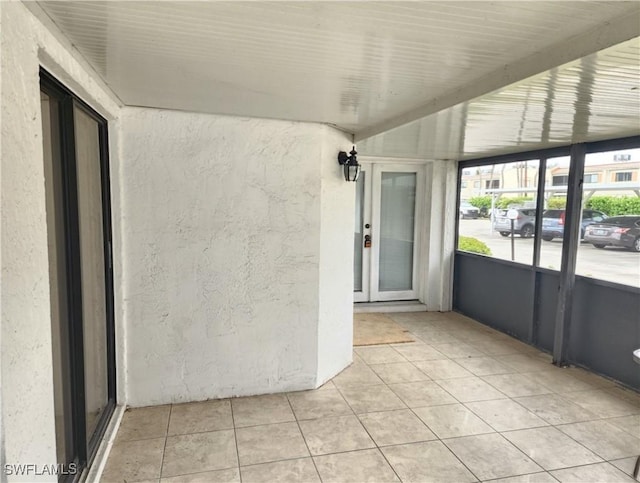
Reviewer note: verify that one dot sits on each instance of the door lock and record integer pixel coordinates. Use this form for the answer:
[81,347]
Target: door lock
[367,241]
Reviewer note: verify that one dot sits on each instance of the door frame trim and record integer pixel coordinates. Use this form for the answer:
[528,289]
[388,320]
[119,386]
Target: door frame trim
[370,269]
[84,448]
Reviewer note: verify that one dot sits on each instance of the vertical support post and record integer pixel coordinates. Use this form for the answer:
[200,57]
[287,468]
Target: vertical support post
[513,241]
[570,242]
[540,202]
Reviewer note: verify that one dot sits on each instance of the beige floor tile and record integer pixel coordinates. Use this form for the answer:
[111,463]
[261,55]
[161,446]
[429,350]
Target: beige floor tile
[452,421]
[598,473]
[458,350]
[491,456]
[559,380]
[379,355]
[626,465]
[628,395]
[530,478]
[195,453]
[484,366]
[357,374]
[469,389]
[602,403]
[506,415]
[630,424]
[435,337]
[419,394]
[395,427]
[290,471]
[443,369]
[516,385]
[335,435]
[524,363]
[426,462]
[200,417]
[366,466]
[604,439]
[590,377]
[231,475]
[366,399]
[134,461]
[399,372]
[418,352]
[551,448]
[144,423]
[320,403]
[268,409]
[496,347]
[555,409]
[271,442]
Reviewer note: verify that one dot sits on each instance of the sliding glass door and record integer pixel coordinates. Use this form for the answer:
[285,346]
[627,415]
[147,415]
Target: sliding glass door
[79,234]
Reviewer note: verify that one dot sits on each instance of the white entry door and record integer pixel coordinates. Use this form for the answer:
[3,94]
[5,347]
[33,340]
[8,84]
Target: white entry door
[388,212]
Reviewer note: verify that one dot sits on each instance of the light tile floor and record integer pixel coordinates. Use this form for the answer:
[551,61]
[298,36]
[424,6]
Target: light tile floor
[462,403]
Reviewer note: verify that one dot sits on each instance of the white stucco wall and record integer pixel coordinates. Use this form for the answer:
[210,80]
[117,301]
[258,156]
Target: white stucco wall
[222,260]
[438,236]
[27,383]
[337,221]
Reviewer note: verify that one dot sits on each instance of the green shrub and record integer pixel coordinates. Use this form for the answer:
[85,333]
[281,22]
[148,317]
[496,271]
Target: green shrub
[473,245]
[481,202]
[615,205]
[557,203]
[504,203]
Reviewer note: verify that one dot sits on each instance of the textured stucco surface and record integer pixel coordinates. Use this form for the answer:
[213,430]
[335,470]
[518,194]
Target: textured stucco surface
[27,383]
[221,254]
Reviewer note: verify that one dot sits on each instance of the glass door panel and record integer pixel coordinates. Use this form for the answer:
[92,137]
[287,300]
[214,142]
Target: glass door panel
[58,280]
[92,263]
[397,230]
[396,195]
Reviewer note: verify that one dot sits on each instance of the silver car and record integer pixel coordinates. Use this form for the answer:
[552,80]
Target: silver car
[467,210]
[524,225]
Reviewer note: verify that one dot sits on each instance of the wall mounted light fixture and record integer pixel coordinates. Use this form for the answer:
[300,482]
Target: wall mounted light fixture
[350,165]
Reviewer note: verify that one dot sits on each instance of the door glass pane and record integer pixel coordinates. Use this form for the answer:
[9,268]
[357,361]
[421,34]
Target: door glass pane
[397,218]
[92,266]
[53,174]
[358,239]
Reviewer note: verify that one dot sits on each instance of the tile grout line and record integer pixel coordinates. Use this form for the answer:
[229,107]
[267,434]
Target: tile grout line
[302,434]
[166,437]
[370,436]
[235,437]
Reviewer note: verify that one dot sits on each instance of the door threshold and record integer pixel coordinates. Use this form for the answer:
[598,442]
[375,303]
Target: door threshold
[395,306]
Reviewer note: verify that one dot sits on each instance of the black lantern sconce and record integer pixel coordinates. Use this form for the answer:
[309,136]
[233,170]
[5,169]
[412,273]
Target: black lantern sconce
[350,165]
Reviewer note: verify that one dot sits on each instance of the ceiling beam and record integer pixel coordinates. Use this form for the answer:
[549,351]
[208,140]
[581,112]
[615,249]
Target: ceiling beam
[606,35]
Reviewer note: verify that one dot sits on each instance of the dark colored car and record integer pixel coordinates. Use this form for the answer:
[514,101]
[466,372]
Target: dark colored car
[524,225]
[553,222]
[617,231]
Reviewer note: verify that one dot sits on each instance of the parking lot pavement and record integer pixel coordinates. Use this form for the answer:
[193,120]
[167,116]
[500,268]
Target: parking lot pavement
[611,264]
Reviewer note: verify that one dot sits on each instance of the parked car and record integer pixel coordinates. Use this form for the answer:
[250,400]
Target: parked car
[617,231]
[467,210]
[524,225]
[553,222]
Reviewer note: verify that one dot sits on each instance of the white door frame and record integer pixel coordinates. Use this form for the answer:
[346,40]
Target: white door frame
[370,258]
[363,295]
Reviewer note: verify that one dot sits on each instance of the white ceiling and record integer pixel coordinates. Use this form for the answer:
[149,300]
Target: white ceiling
[437,68]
